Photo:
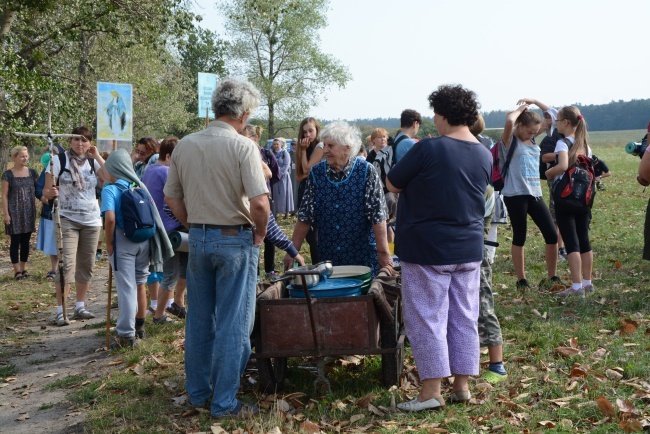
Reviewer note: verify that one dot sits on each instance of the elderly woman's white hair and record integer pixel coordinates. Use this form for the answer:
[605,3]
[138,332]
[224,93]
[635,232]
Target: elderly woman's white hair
[282,140]
[234,97]
[344,134]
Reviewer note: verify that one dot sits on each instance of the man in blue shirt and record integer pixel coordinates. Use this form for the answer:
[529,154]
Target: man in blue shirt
[410,122]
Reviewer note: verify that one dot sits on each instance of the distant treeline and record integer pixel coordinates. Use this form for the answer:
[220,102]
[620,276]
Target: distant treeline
[616,115]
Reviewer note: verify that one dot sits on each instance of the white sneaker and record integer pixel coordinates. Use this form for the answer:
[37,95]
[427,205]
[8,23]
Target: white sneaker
[588,288]
[569,292]
[82,313]
[60,321]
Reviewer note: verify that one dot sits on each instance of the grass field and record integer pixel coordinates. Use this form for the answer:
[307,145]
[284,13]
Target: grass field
[573,366]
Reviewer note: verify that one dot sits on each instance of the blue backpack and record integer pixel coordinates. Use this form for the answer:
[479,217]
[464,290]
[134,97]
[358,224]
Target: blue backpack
[138,214]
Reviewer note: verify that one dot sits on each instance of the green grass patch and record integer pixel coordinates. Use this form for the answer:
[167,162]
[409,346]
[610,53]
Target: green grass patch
[66,383]
[49,359]
[7,370]
[139,399]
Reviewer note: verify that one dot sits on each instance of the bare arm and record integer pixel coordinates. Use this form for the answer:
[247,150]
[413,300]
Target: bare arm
[385,259]
[644,170]
[561,167]
[266,171]
[530,101]
[549,157]
[299,234]
[509,127]
[5,202]
[178,209]
[94,154]
[109,230]
[391,187]
[260,209]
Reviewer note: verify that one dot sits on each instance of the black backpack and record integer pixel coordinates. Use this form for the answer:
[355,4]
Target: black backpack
[576,189]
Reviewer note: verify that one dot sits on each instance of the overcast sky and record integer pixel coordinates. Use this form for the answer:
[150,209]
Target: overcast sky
[557,51]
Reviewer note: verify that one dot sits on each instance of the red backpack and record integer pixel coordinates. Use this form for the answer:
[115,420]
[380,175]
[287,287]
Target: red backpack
[499,175]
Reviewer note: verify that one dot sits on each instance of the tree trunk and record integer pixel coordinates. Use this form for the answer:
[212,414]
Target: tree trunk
[271,120]
[7,19]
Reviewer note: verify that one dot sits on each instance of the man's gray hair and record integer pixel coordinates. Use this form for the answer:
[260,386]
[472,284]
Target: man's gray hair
[344,134]
[233,97]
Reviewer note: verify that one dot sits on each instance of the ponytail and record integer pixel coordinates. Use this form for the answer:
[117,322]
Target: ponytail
[580,147]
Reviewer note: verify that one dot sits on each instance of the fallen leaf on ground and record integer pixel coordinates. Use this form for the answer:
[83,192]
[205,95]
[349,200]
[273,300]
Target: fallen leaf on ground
[282,405]
[356,418]
[613,375]
[375,410]
[51,375]
[606,406]
[628,326]
[138,369]
[216,429]
[275,430]
[599,353]
[115,362]
[567,351]
[180,400]
[547,423]
[631,425]
[309,426]
[625,406]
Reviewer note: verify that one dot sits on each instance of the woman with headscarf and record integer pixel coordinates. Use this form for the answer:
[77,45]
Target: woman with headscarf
[282,190]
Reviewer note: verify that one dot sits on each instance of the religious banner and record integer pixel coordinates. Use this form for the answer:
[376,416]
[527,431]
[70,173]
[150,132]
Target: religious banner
[114,111]
[207,85]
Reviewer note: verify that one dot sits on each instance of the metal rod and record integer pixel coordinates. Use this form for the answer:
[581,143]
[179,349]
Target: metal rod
[45,136]
[312,320]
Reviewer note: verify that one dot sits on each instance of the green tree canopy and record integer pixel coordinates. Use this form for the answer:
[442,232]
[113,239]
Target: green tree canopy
[275,43]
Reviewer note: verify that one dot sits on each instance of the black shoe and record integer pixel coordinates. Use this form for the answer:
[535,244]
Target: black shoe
[523,284]
[176,310]
[124,342]
[139,333]
[556,280]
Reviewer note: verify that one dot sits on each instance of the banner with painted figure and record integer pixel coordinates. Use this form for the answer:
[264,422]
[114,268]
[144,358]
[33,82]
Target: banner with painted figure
[207,85]
[114,111]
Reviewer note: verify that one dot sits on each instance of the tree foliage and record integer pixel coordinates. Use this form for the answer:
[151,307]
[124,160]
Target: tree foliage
[275,43]
[61,48]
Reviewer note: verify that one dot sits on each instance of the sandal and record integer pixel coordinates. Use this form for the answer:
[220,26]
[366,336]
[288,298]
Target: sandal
[18,275]
[25,274]
[50,275]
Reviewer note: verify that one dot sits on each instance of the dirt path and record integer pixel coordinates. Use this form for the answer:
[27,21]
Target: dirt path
[45,355]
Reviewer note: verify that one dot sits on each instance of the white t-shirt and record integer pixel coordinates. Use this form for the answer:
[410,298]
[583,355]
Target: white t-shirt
[74,204]
[561,145]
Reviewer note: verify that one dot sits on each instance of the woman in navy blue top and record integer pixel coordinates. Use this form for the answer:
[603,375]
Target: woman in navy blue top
[439,240]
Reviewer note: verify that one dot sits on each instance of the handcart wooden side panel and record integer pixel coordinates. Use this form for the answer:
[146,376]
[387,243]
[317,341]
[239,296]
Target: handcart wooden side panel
[318,327]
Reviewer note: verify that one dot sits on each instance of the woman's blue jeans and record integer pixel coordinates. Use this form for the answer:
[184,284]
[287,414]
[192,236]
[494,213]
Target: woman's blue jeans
[221,282]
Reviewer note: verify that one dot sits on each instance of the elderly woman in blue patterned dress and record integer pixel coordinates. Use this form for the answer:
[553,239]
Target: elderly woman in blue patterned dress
[345,198]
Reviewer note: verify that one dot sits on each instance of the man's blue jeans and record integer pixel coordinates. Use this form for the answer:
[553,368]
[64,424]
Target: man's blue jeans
[221,281]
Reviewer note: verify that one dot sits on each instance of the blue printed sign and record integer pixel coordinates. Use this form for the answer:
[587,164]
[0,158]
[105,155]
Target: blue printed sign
[207,85]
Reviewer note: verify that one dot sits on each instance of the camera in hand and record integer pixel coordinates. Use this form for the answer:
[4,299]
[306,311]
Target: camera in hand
[637,148]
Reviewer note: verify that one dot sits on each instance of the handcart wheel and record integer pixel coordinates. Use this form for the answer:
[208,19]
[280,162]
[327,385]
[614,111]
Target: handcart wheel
[272,372]
[391,363]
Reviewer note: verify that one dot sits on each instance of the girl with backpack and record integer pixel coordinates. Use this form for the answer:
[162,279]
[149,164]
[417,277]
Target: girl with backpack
[19,208]
[522,190]
[573,222]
